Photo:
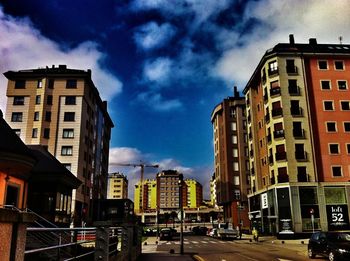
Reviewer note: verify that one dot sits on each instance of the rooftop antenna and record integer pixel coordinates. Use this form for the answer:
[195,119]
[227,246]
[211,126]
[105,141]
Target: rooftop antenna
[340,39]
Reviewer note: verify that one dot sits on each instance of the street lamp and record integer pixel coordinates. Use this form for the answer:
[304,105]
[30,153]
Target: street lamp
[181,215]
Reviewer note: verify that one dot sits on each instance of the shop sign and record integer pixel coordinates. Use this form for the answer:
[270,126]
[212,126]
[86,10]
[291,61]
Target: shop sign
[338,218]
[264,201]
[286,226]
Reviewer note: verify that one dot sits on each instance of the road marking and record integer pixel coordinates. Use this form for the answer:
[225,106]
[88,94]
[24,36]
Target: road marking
[198,258]
[281,259]
[204,242]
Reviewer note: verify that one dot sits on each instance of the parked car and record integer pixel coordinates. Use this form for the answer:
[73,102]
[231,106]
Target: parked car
[334,245]
[213,232]
[166,234]
[202,231]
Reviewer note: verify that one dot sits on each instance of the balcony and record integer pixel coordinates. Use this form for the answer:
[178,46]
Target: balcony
[275,91]
[301,155]
[267,118]
[277,112]
[281,155]
[282,178]
[296,111]
[292,70]
[299,133]
[278,134]
[272,72]
[294,90]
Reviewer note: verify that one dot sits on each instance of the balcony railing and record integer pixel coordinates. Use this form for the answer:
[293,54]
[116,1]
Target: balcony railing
[299,133]
[296,111]
[275,91]
[277,112]
[292,69]
[281,155]
[294,90]
[278,134]
[301,155]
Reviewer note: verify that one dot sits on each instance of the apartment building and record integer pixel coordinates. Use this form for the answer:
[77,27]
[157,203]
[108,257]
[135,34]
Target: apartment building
[231,163]
[298,104]
[61,109]
[213,200]
[117,186]
[194,194]
[149,199]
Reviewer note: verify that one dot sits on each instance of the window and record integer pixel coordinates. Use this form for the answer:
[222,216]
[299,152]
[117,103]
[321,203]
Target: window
[347,126]
[36,116]
[35,133]
[233,126]
[51,83]
[325,85]
[69,116]
[46,133]
[49,100]
[331,126]
[67,150]
[336,171]
[20,84]
[67,166]
[348,148]
[37,99]
[328,105]
[48,116]
[235,153]
[70,100]
[234,139]
[17,131]
[273,66]
[235,166]
[345,105]
[17,116]
[39,84]
[71,84]
[333,148]
[291,68]
[339,65]
[342,85]
[68,133]
[322,65]
[18,100]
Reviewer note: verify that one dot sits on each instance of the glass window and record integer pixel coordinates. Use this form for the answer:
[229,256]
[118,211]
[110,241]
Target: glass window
[39,84]
[348,148]
[67,150]
[49,100]
[37,99]
[46,133]
[51,83]
[68,133]
[333,148]
[71,84]
[345,105]
[325,85]
[347,126]
[342,85]
[20,84]
[35,133]
[331,126]
[69,116]
[328,105]
[337,171]
[322,65]
[18,100]
[48,116]
[339,65]
[36,116]
[17,117]
[70,100]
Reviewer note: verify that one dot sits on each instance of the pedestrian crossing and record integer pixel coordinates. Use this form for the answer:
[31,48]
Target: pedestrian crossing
[195,242]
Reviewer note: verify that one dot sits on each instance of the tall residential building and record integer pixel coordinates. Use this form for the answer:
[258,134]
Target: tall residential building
[213,191]
[169,189]
[117,186]
[194,193]
[149,198]
[231,160]
[61,109]
[298,105]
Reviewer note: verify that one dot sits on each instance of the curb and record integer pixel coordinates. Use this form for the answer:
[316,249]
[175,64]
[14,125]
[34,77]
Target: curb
[197,258]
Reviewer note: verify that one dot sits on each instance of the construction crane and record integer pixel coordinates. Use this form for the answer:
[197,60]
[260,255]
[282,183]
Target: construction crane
[142,166]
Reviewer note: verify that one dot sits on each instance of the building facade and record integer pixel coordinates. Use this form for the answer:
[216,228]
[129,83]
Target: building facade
[117,186]
[231,163]
[299,133]
[149,199]
[61,109]
[194,194]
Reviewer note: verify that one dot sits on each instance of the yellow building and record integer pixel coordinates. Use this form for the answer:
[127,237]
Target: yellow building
[149,201]
[194,193]
[117,186]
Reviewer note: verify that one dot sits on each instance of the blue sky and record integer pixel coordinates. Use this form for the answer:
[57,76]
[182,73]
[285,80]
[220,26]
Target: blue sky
[162,65]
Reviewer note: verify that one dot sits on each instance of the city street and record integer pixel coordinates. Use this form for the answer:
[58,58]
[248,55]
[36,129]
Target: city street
[210,249]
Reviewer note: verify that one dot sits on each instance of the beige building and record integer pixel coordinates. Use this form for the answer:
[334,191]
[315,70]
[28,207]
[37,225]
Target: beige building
[231,162]
[117,186]
[61,109]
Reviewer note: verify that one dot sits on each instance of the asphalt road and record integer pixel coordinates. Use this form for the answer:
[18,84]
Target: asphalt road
[210,249]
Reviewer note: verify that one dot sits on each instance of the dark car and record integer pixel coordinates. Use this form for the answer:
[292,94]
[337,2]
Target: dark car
[202,231]
[334,245]
[166,234]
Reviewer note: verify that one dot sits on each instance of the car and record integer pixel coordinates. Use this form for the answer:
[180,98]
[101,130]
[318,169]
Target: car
[334,245]
[202,231]
[166,234]
[213,232]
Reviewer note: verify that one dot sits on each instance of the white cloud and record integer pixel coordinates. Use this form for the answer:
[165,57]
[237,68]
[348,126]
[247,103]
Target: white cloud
[152,36]
[157,70]
[22,46]
[157,102]
[324,20]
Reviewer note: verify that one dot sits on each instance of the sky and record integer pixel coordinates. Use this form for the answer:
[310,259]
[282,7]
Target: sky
[162,65]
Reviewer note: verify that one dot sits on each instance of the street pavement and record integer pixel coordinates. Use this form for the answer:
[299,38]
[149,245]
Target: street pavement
[149,248]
